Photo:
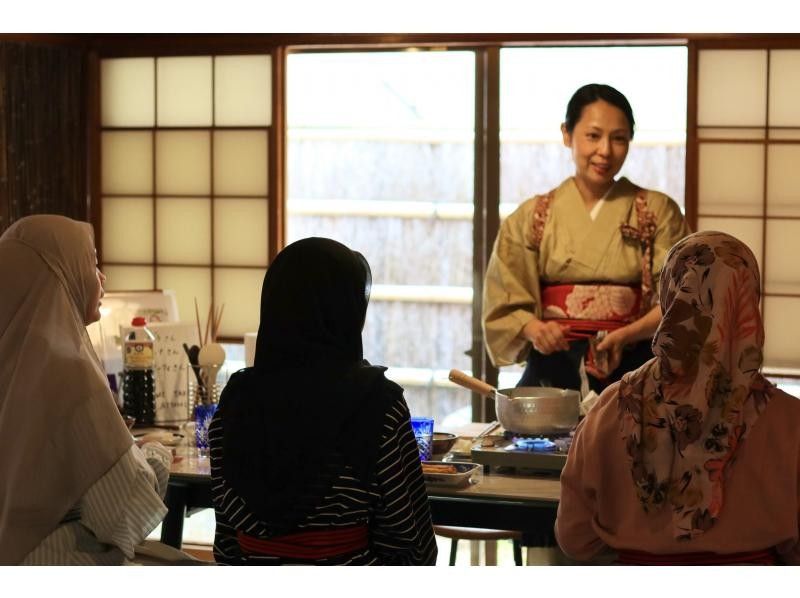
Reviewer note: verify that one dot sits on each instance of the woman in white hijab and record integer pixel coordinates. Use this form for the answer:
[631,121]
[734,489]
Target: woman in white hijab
[694,458]
[74,488]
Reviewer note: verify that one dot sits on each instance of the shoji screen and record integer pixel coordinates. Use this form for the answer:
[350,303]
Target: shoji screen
[184,180]
[748,118]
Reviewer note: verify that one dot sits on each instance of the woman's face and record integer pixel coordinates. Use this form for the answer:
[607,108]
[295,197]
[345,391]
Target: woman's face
[95,294]
[599,144]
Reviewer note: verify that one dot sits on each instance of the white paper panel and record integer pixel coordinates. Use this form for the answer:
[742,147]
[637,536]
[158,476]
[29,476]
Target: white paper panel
[732,87]
[127,159]
[183,163]
[187,283]
[243,90]
[183,230]
[240,232]
[128,278]
[128,229]
[240,291]
[240,163]
[792,134]
[748,230]
[127,92]
[783,247]
[731,179]
[781,331]
[184,91]
[783,180]
[784,88]
[720,133]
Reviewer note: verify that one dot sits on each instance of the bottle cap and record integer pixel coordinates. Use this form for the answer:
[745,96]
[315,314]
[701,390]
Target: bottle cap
[139,321]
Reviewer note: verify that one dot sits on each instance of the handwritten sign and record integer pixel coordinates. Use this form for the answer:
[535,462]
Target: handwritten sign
[117,310]
[170,368]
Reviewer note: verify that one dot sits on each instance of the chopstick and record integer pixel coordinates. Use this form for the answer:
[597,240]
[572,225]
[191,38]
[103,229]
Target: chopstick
[490,428]
[213,323]
[217,322]
[208,323]
[197,316]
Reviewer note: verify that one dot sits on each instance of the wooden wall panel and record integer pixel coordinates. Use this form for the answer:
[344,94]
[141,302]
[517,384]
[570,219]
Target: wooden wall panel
[42,131]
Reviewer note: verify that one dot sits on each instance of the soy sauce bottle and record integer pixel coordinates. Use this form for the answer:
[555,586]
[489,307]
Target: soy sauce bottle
[138,388]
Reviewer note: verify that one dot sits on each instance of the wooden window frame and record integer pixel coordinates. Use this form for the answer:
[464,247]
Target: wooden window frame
[487,146]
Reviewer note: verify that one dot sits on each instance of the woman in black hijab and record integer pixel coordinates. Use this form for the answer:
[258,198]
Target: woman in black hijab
[313,460]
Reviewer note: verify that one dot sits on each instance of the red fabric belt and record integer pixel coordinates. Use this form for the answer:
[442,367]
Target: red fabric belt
[758,557]
[315,544]
[583,329]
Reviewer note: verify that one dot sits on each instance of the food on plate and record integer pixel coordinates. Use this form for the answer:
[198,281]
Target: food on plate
[437,468]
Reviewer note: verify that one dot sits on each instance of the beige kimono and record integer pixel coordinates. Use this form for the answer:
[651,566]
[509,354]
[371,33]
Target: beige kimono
[573,249]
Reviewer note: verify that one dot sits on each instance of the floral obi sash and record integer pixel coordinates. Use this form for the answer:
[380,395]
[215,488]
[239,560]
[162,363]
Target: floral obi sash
[589,308]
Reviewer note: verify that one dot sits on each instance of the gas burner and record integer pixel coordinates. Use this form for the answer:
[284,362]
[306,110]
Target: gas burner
[553,436]
[525,454]
[534,445]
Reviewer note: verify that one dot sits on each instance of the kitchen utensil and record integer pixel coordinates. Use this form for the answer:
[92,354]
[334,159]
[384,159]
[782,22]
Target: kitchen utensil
[192,353]
[211,358]
[528,409]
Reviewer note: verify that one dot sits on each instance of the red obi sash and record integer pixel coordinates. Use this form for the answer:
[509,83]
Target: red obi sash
[758,557]
[588,308]
[307,545]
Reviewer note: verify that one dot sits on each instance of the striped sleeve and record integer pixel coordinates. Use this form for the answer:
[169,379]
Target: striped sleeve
[403,531]
[125,505]
[115,514]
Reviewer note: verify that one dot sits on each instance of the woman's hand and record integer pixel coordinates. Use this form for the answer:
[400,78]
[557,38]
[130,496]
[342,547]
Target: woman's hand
[615,341]
[546,337]
[612,343]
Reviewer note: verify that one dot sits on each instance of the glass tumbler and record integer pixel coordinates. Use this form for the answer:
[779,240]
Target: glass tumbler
[203,400]
[423,432]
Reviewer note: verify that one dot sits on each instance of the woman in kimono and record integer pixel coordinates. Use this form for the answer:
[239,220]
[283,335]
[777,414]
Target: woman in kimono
[74,488]
[313,460]
[694,458]
[569,283]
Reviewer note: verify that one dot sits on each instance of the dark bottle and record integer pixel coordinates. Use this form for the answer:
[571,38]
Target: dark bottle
[138,388]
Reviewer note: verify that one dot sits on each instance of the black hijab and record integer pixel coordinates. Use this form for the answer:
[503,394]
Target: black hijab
[310,404]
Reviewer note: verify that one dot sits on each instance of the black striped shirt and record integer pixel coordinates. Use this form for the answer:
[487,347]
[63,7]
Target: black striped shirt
[394,504]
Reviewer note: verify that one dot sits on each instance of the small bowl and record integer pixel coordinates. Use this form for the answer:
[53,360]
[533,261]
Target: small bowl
[443,442]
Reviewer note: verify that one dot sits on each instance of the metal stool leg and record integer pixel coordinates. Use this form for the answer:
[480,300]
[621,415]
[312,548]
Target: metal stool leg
[453,551]
[517,552]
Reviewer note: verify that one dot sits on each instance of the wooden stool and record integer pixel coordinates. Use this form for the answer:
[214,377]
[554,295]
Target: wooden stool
[476,533]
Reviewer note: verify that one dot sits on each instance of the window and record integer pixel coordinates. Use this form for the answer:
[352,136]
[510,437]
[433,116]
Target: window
[748,117]
[537,83]
[184,153]
[380,157]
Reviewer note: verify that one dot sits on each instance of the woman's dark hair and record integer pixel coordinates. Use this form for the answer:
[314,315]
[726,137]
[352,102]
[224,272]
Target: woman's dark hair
[591,93]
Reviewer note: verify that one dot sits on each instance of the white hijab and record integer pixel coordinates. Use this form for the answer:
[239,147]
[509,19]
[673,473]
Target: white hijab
[60,430]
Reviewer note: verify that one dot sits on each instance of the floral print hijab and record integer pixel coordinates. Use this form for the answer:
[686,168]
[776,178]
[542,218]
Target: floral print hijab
[685,413]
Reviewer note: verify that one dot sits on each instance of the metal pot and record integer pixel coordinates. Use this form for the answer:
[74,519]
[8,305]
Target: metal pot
[528,409]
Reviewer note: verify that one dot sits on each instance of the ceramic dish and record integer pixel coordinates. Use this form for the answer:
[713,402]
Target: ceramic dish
[454,474]
[443,442]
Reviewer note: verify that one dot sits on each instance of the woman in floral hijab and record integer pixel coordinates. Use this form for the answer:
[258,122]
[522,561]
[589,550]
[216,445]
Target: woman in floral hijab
[694,457]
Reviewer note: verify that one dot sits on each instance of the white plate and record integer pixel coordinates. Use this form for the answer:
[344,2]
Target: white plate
[164,437]
[462,476]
